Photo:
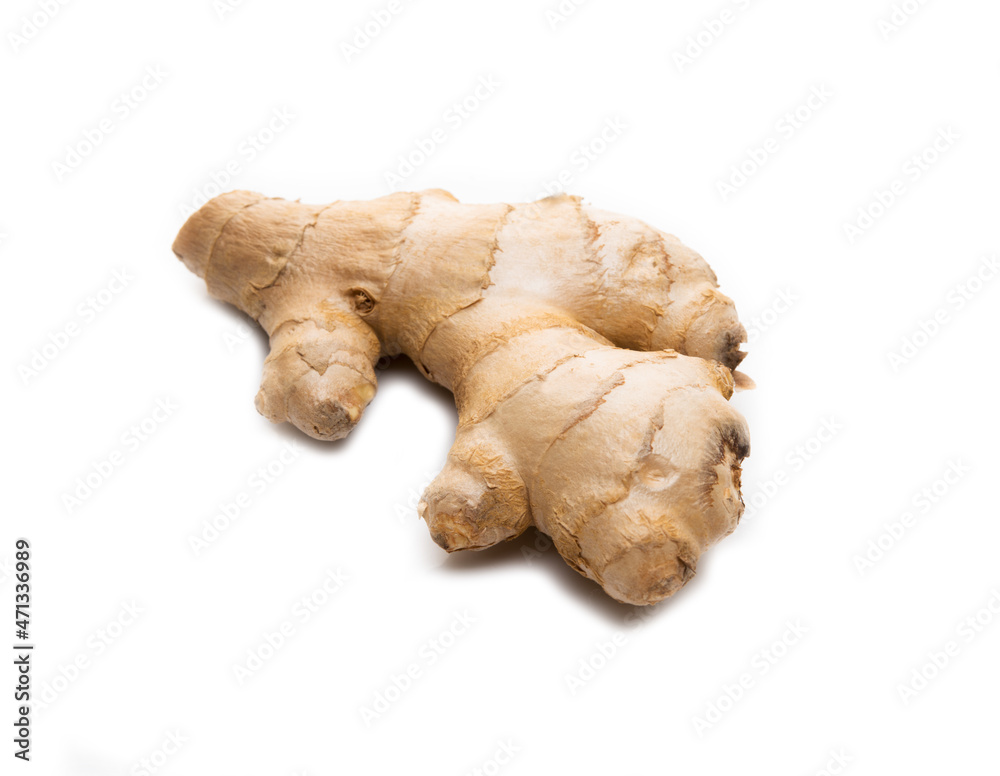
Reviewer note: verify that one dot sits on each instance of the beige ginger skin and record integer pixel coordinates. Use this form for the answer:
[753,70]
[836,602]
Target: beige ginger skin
[590,357]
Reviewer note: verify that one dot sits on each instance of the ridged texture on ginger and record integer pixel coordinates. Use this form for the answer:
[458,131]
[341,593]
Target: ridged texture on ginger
[590,356]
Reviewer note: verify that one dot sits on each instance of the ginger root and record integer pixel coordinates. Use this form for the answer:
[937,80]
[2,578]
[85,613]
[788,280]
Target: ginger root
[589,354]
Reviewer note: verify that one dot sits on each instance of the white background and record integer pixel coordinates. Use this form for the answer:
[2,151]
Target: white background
[801,559]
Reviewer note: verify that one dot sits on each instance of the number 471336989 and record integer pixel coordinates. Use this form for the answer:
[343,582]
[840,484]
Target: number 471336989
[22,595]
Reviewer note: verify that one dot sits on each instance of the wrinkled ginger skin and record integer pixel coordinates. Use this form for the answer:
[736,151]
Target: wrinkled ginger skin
[590,356]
